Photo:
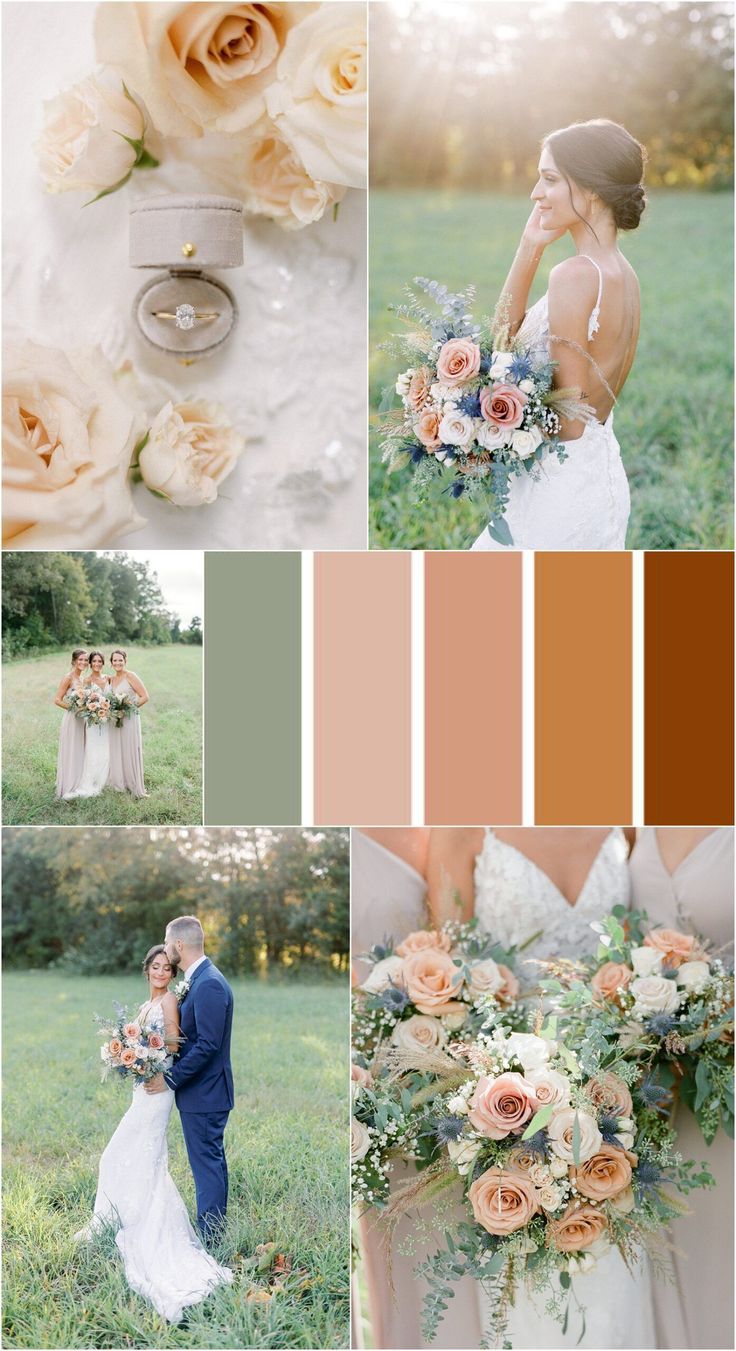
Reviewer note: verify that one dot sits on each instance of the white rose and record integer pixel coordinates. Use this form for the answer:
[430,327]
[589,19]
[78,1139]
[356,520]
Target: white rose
[360,1140]
[454,1021]
[191,449]
[456,429]
[654,994]
[551,1196]
[384,973]
[524,442]
[693,976]
[273,181]
[319,101]
[533,1052]
[540,1174]
[81,145]
[526,386]
[501,364]
[68,439]
[626,1131]
[485,978]
[492,437]
[463,1154]
[458,1105]
[558,1167]
[420,1031]
[403,382]
[646,961]
[555,1088]
[560,1133]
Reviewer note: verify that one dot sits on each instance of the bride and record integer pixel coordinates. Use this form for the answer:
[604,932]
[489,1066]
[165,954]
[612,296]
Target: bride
[590,186]
[164,1259]
[548,885]
[96,766]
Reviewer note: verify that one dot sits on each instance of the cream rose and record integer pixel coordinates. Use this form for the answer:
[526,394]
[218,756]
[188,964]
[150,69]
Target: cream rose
[421,940]
[191,449]
[502,1106]
[693,976]
[624,1201]
[604,1175]
[579,1227]
[551,1196]
[654,994]
[549,1086]
[501,365]
[82,144]
[525,441]
[456,429]
[646,961]
[360,1140]
[560,1133]
[197,66]
[273,181]
[463,1154]
[433,981]
[68,439]
[320,99]
[503,1202]
[420,1031]
[485,978]
[386,972]
[492,437]
[533,1052]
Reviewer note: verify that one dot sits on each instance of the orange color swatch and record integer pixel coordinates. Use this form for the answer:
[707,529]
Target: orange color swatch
[583,688]
[473,688]
[362,694]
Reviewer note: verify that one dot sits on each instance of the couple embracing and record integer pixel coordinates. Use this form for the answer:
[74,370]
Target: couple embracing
[166,1261]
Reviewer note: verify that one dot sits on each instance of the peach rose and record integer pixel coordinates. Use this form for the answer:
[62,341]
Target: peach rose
[502,1106]
[503,1202]
[521,1160]
[433,981]
[262,168]
[676,947]
[128,1057]
[610,978]
[191,449]
[458,361]
[427,430]
[503,404]
[421,940]
[197,66]
[360,1140]
[418,391]
[609,1093]
[68,439]
[132,1030]
[578,1228]
[155,1041]
[115,1046]
[605,1175]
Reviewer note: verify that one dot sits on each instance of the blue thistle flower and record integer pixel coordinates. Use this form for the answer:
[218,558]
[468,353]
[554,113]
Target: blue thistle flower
[660,1023]
[537,1143]
[448,1128]
[417,454]
[646,1177]
[485,363]
[458,488]
[470,404]
[521,368]
[608,1127]
[394,998]
[654,1096]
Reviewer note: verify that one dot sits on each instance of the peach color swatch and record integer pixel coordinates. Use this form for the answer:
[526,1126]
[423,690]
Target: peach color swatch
[473,688]
[583,688]
[362,694]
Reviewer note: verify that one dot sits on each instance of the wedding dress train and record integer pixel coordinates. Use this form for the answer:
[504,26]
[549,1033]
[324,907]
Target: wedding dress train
[164,1259]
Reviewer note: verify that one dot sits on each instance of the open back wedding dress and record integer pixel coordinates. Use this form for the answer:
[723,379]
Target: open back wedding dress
[164,1259]
[583,502]
[514,900]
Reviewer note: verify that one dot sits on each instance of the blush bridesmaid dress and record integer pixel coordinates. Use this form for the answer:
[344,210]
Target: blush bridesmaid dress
[70,760]
[126,750]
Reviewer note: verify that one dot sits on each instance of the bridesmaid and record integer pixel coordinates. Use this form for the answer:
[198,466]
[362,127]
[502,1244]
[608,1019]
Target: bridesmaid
[70,762]
[126,745]
[684,878]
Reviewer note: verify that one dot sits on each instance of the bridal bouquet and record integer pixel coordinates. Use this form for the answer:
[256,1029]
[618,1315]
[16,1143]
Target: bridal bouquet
[476,406]
[558,1163]
[91,705]
[664,997]
[131,1050]
[122,706]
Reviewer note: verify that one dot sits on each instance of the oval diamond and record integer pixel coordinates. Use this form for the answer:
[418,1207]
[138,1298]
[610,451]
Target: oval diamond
[185,316]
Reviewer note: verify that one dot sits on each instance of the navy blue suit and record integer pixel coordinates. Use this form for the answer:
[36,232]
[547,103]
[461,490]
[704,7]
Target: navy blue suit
[203,1082]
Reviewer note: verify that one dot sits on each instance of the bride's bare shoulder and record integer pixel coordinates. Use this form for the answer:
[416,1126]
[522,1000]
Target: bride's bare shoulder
[574,280]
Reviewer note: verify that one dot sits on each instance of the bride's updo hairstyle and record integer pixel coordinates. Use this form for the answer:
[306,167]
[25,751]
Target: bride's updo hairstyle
[606,159]
[156,951]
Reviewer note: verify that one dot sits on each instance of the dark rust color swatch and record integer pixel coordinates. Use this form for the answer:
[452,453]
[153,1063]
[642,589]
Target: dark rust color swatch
[583,688]
[688,689]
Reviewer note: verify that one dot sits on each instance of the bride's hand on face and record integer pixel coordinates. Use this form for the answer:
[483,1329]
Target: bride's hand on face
[535,233]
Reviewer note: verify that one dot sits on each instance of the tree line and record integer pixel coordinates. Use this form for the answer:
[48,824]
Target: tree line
[94,900]
[462,95]
[52,600]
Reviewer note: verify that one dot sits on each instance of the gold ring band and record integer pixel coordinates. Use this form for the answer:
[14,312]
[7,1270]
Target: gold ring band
[185,316]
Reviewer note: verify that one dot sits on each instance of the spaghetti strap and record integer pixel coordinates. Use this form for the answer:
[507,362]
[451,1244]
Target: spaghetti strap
[595,312]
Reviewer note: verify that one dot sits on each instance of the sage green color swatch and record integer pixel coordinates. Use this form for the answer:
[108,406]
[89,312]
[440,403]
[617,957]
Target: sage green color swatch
[252,690]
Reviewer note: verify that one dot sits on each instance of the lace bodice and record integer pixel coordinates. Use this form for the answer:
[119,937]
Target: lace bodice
[152,1013]
[514,898]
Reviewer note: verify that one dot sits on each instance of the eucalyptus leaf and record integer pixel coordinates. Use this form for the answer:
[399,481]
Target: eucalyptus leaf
[538,1121]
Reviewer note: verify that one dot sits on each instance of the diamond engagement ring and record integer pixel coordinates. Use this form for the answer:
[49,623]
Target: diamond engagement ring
[186,316]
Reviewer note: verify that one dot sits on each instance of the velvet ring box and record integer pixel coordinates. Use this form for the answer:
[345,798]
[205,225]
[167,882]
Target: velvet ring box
[185,235]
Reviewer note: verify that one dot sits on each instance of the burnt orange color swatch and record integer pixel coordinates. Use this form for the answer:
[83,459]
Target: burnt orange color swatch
[362,688]
[688,689]
[472,688]
[583,694]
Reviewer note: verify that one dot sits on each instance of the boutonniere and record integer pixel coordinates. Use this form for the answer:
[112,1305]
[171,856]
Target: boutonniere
[181,990]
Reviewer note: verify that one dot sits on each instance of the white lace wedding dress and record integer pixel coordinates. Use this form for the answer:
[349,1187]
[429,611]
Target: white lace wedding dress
[581,503]
[515,899]
[96,769]
[164,1259]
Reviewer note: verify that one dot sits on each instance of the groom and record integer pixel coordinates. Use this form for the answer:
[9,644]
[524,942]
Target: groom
[202,1076]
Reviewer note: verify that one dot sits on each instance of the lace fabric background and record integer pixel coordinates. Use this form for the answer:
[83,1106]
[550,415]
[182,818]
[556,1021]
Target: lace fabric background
[293,375]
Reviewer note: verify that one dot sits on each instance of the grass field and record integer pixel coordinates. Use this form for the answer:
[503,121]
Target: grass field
[674,420]
[172,743]
[286,1144]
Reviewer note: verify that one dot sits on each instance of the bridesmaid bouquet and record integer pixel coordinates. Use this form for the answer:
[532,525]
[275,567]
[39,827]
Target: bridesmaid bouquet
[558,1162]
[474,403]
[131,1050]
[122,706]
[663,997]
